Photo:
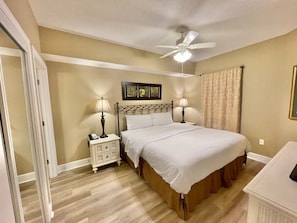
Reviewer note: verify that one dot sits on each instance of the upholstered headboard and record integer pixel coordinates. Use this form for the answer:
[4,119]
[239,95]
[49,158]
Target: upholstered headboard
[122,110]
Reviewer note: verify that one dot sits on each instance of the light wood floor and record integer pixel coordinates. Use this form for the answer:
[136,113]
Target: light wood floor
[117,194]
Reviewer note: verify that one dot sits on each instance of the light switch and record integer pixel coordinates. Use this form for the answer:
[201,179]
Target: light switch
[261,142]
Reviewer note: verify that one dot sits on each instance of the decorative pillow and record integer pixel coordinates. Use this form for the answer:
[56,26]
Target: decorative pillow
[163,118]
[138,121]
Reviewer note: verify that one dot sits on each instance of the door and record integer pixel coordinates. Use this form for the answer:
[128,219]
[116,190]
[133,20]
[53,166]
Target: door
[17,138]
[20,118]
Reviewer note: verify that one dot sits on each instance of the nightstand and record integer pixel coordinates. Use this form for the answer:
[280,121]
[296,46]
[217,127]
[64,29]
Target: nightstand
[104,151]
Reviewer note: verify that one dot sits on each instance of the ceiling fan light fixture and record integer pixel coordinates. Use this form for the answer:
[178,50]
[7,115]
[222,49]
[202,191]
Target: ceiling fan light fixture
[182,56]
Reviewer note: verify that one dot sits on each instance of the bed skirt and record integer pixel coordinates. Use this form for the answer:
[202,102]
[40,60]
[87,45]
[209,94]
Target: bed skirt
[184,204]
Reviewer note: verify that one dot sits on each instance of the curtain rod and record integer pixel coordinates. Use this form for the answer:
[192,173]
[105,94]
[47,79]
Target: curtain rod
[242,67]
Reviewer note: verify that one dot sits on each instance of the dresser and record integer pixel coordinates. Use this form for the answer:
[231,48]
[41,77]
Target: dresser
[104,151]
[272,194]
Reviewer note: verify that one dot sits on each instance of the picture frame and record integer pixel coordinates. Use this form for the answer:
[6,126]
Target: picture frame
[144,91]
[155,91]
[130,91]
[293,101]
[141,91]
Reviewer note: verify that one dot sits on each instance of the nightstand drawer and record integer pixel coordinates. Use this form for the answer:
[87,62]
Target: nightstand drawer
[104,147]
[114,154]
[99,148]
[114,144]
[103,157]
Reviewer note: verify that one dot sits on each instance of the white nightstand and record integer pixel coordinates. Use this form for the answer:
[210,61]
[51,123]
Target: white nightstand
[105,151]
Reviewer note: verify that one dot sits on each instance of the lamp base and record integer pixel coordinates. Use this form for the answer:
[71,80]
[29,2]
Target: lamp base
[103,135]
[183,116]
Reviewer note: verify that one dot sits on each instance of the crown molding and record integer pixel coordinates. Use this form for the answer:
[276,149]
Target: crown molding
[107,65]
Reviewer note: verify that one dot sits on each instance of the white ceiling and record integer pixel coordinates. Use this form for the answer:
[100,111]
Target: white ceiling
[142,24]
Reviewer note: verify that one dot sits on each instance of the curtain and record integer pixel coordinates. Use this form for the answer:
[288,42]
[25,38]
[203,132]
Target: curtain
[221,99]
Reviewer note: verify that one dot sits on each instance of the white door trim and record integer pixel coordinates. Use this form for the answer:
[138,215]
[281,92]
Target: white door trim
[41,75]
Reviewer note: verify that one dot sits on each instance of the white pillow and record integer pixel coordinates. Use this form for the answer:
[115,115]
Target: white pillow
[163,118]
[138,121]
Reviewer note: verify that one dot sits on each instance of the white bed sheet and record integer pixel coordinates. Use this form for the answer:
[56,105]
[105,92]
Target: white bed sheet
[183,154]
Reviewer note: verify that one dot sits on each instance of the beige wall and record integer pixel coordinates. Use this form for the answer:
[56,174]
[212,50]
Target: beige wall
[266,90]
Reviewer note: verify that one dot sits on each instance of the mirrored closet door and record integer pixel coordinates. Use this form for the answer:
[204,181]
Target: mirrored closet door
[12,71]
[23,142]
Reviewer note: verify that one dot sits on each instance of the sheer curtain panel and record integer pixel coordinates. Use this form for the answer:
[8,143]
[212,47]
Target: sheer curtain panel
[221,99]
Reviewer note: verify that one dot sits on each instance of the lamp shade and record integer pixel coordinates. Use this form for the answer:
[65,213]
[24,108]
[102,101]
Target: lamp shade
[183,102]
[182,56]
[102,105]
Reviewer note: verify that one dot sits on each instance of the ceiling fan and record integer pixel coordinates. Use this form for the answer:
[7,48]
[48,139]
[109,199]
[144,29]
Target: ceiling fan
[183,45]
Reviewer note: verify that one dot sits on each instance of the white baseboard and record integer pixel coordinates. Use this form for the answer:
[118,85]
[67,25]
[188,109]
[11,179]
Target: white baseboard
[73,165]
[27,177]
[258,157]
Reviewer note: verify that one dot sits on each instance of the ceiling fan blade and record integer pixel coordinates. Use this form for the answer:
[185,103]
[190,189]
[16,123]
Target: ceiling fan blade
[191,35]
[166,46]
[201,45]
[168,54]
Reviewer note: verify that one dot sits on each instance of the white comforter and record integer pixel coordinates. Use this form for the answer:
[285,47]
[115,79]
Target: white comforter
[183,154]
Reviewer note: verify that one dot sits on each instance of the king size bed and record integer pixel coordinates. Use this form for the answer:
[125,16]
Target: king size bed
[183,163]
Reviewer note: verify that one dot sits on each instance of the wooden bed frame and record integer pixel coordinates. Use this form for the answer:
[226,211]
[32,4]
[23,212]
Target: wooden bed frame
[183,204]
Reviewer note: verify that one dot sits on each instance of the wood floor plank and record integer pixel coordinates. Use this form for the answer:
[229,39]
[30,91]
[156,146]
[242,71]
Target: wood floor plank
[117,194]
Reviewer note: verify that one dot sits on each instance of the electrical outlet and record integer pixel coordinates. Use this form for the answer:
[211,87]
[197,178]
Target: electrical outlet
[261,142]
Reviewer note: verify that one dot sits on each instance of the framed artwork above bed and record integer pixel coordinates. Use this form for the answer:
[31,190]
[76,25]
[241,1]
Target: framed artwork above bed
[141,91]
